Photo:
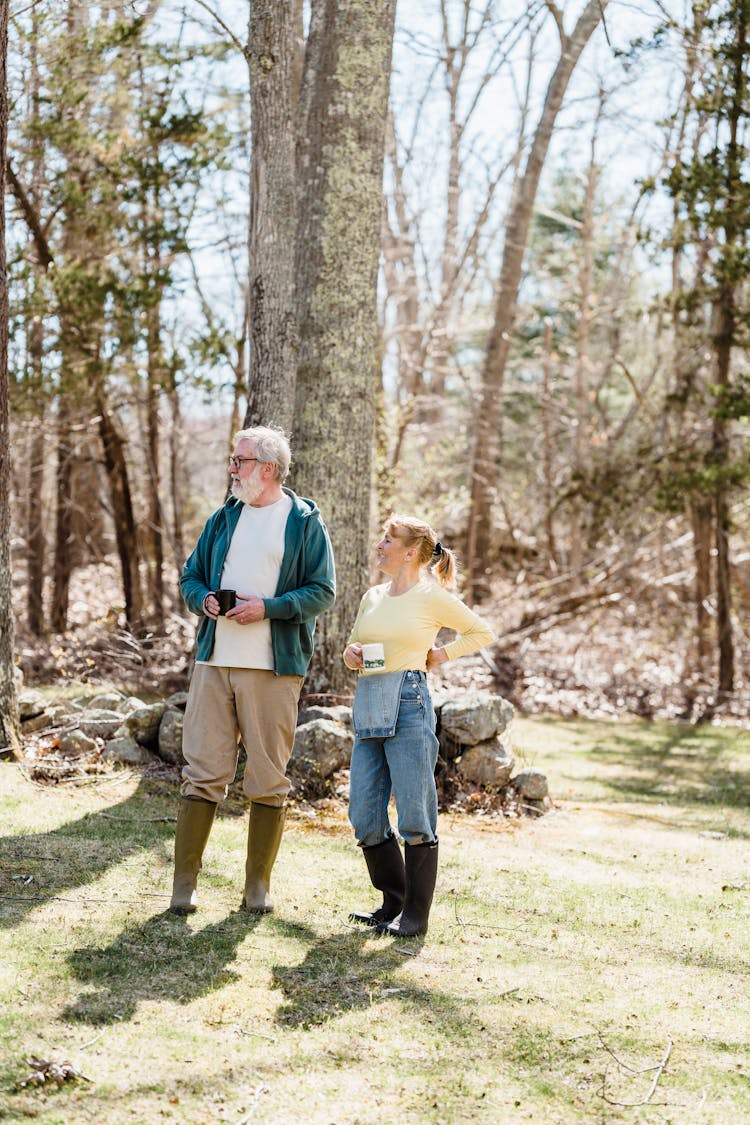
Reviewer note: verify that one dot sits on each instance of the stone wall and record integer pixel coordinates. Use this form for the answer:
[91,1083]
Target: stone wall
[110,729]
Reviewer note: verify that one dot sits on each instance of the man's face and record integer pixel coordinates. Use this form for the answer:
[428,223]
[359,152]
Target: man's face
[244,469]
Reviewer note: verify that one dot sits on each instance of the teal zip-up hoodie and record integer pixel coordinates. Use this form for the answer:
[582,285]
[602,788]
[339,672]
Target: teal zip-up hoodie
[307,581]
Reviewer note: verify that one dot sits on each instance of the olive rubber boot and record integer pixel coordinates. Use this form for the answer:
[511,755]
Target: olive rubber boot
[421,873]
[194,819]
[385,865]
[263,840]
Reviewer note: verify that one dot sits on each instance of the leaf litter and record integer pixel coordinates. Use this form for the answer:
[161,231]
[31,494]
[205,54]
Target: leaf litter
[47,1072]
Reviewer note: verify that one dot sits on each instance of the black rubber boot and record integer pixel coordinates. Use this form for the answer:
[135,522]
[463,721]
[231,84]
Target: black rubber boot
[194,820]
[385,865]
[421,873]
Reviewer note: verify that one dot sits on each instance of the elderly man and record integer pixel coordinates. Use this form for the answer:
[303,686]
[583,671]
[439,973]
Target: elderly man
[271,548]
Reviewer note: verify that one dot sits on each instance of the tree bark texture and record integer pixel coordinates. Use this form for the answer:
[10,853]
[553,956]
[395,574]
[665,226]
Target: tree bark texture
[272,57]
[343,108]
[489,410]
[9,725]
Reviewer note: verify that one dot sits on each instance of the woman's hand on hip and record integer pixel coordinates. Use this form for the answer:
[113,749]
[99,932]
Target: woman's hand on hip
[436,656]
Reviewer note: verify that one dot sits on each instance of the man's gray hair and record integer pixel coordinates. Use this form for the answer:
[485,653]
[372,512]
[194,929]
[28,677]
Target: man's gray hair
[270,445]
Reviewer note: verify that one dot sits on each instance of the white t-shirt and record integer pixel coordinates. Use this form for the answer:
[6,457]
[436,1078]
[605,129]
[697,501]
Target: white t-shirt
[252,568]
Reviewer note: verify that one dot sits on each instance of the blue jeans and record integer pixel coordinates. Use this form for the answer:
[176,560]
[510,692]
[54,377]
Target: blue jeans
[404,764]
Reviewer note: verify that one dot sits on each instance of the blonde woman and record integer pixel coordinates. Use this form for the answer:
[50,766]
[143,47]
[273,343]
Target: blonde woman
[395,747]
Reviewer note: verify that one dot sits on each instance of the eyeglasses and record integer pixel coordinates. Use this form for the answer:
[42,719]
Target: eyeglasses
[238,462]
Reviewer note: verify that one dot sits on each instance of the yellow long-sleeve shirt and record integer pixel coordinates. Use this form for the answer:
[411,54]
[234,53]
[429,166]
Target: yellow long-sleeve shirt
[407,625]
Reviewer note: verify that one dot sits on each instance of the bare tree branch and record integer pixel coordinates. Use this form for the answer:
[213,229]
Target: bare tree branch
[243,47]
[43,251]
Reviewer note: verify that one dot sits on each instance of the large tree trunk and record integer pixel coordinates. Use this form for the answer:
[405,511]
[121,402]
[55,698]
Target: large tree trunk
[9,726]
[489,410]
[272,55]
[343,109]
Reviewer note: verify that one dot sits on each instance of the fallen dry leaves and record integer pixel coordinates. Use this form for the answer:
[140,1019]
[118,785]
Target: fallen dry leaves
[46,1072]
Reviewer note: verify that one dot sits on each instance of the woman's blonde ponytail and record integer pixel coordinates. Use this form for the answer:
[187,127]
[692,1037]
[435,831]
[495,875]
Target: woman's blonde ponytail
[430,551]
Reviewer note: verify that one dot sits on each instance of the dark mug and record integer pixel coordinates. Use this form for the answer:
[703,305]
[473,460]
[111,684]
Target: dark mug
[227,599]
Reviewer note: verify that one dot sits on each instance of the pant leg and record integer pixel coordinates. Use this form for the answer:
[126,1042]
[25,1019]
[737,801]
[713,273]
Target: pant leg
[209,736]
[267,715]
[369,792]
[411,755]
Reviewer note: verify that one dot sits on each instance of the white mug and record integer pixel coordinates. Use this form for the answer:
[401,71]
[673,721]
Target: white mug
[373,657]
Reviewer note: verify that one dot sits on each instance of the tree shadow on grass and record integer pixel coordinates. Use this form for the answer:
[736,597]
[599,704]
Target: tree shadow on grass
[351,972]
[39,866]
[692,767]
[159,959]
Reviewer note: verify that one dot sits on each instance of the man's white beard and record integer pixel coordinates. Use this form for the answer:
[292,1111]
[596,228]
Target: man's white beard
[247,490]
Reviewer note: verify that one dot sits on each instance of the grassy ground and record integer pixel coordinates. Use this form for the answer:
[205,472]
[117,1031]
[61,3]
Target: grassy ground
[589,966]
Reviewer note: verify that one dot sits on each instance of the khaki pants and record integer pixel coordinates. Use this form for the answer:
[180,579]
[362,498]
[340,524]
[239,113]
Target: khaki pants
[225,704]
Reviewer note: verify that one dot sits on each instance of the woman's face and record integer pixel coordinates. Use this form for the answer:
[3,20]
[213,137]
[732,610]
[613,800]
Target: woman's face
[392,554]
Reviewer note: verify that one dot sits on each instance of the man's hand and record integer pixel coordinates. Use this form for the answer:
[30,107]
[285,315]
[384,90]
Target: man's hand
[247,610]
[210,606]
